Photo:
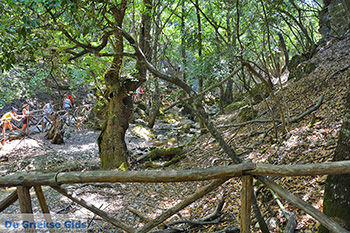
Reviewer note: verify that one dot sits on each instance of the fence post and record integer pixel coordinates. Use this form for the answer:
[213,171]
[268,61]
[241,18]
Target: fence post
[25,204]
[246,203]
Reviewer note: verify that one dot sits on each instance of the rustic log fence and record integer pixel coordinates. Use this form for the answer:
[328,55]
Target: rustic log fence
[72,117]
[219,175]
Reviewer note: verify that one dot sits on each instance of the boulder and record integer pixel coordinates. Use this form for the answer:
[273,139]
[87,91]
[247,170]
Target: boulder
[246,114]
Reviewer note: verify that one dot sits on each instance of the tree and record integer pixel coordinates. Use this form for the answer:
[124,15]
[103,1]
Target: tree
[336,202]
[86,33]
[81,29]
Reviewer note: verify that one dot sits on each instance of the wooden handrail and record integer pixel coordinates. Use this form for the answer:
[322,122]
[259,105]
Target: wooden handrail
[221,173]
[159,176]
[112,176]
[329,168]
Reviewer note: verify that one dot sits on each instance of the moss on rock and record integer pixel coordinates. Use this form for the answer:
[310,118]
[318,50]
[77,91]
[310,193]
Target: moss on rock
[259,91]
[299,66]
[246,114]
[164,153]
[234,106]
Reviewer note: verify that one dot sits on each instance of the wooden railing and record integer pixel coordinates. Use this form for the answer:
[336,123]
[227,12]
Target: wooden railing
[219,175]
[37,117]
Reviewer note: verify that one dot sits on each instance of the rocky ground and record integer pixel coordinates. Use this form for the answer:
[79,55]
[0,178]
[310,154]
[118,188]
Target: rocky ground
[303,143]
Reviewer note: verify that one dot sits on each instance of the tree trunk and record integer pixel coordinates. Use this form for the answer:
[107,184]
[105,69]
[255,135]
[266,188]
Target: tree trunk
[336,202]
[200,46]
[112,148]
[111,142]
[56,131]
[183,41]
[145,38]
[228,93]
[155,105]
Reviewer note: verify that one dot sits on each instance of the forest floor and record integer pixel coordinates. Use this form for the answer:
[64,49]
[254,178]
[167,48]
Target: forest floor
[302,144]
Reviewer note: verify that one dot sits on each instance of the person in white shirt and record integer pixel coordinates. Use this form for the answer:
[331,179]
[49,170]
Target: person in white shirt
[48,110]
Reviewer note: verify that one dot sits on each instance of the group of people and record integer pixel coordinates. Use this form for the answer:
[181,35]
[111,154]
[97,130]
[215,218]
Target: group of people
[6,119]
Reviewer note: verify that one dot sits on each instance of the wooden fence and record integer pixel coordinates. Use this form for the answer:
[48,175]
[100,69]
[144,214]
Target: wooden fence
[36,119]
[219,175]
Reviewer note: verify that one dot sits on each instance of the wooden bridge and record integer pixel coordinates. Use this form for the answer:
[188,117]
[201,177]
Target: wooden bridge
[219,175]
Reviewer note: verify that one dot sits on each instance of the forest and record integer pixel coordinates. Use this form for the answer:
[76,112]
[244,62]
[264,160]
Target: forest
[175,116]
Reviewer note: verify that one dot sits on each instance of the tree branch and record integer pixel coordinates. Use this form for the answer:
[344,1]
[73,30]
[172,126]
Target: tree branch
[88,47]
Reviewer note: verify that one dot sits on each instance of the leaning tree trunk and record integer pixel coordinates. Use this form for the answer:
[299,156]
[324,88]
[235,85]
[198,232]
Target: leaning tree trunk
[336,202]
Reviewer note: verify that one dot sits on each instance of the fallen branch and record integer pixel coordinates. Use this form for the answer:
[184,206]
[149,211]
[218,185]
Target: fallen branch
[212,218]
[309,209]
[197,223]
[12,198]
[95,210]
[229,230]
[171,230]
[310,110]
[339,71]
[139,214]
[217,211]
[189,200]
[279,203]
[262,224]
[293,120]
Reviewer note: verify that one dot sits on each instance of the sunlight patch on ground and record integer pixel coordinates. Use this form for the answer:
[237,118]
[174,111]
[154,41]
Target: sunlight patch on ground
[82,148]
[17,144]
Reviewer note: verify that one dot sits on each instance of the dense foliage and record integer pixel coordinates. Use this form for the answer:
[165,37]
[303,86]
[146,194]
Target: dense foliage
[192,39]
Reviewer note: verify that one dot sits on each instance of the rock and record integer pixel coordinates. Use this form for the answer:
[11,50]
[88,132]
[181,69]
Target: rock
[259,91]
[246,114]
[142,132]
[140,122]
[299,66]
[234,106]
[164,153]
[141,105]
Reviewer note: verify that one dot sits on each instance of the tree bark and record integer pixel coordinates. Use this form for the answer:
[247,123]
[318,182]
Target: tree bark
[111,142]
[336,202]
[156,97]
[56,131]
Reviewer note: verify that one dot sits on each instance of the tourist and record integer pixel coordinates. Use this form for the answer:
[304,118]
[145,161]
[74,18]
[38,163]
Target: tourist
[6,120]
[48,110]
[139,92]
[68,103]
[25,115]
[91,98]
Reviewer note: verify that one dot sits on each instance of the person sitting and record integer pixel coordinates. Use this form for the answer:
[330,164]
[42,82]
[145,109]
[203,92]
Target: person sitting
[25,115]
[68,103]
[6,120]
[48,110]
